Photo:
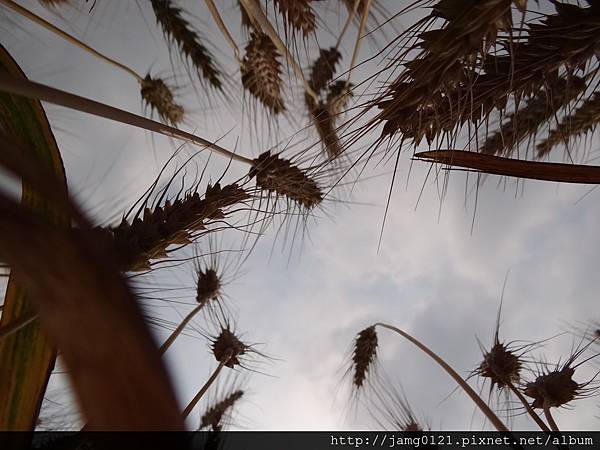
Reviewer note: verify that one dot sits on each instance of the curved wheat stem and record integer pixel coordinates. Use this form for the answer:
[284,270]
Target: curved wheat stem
[550,419]
[351,14]
[528,407]
[39,91]
[212,8]
[165,346]
[361,30]
[492,417]
[72,39]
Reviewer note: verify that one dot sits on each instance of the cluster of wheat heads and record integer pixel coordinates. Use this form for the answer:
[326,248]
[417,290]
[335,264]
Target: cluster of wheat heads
[492,75]
[509,370]
[176,223]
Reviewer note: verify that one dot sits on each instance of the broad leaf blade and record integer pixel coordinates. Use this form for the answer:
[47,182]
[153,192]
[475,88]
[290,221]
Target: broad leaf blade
[26,357]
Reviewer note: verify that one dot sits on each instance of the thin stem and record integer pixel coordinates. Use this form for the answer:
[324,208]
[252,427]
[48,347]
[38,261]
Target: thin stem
[550,419]
[257,14]
[72,39]
[351,15]
[219,21]
[165,346]
[493,418]
[39,91]
[188,409]
[537,419]
[19,323]
[361,30]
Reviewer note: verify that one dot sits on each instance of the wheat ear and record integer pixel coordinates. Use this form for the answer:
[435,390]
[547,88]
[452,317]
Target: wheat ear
[256,13]
[178,31]
[583,120]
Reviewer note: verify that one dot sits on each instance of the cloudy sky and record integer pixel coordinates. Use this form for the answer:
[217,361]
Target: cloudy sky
[438,274]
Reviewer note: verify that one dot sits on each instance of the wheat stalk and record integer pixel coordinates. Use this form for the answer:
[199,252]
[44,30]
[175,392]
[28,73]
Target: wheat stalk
[493,418]
[192,404]
[583,120]
[221,24]
[178,31]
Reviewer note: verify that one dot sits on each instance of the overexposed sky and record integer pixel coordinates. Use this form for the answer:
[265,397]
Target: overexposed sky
[438,274]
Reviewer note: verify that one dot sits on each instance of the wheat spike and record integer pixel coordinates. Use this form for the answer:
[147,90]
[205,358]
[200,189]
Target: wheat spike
[568,39]
[226,348]
[298,14]
[583,120]
[178,31]
[213,416]
[279,176]
[471,27]
[365,352]
[331,99]
[323,69]
[261,72]
[159,98]
[148,237]
[527,120]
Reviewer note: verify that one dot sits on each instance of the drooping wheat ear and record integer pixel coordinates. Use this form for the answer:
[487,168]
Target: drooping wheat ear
[528,119]
[364,355]
[261,72]
[582,121]
[175,223]
[159,98]
[410,103]
[213,416]
[298,14]
[279,176]
[178,31]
